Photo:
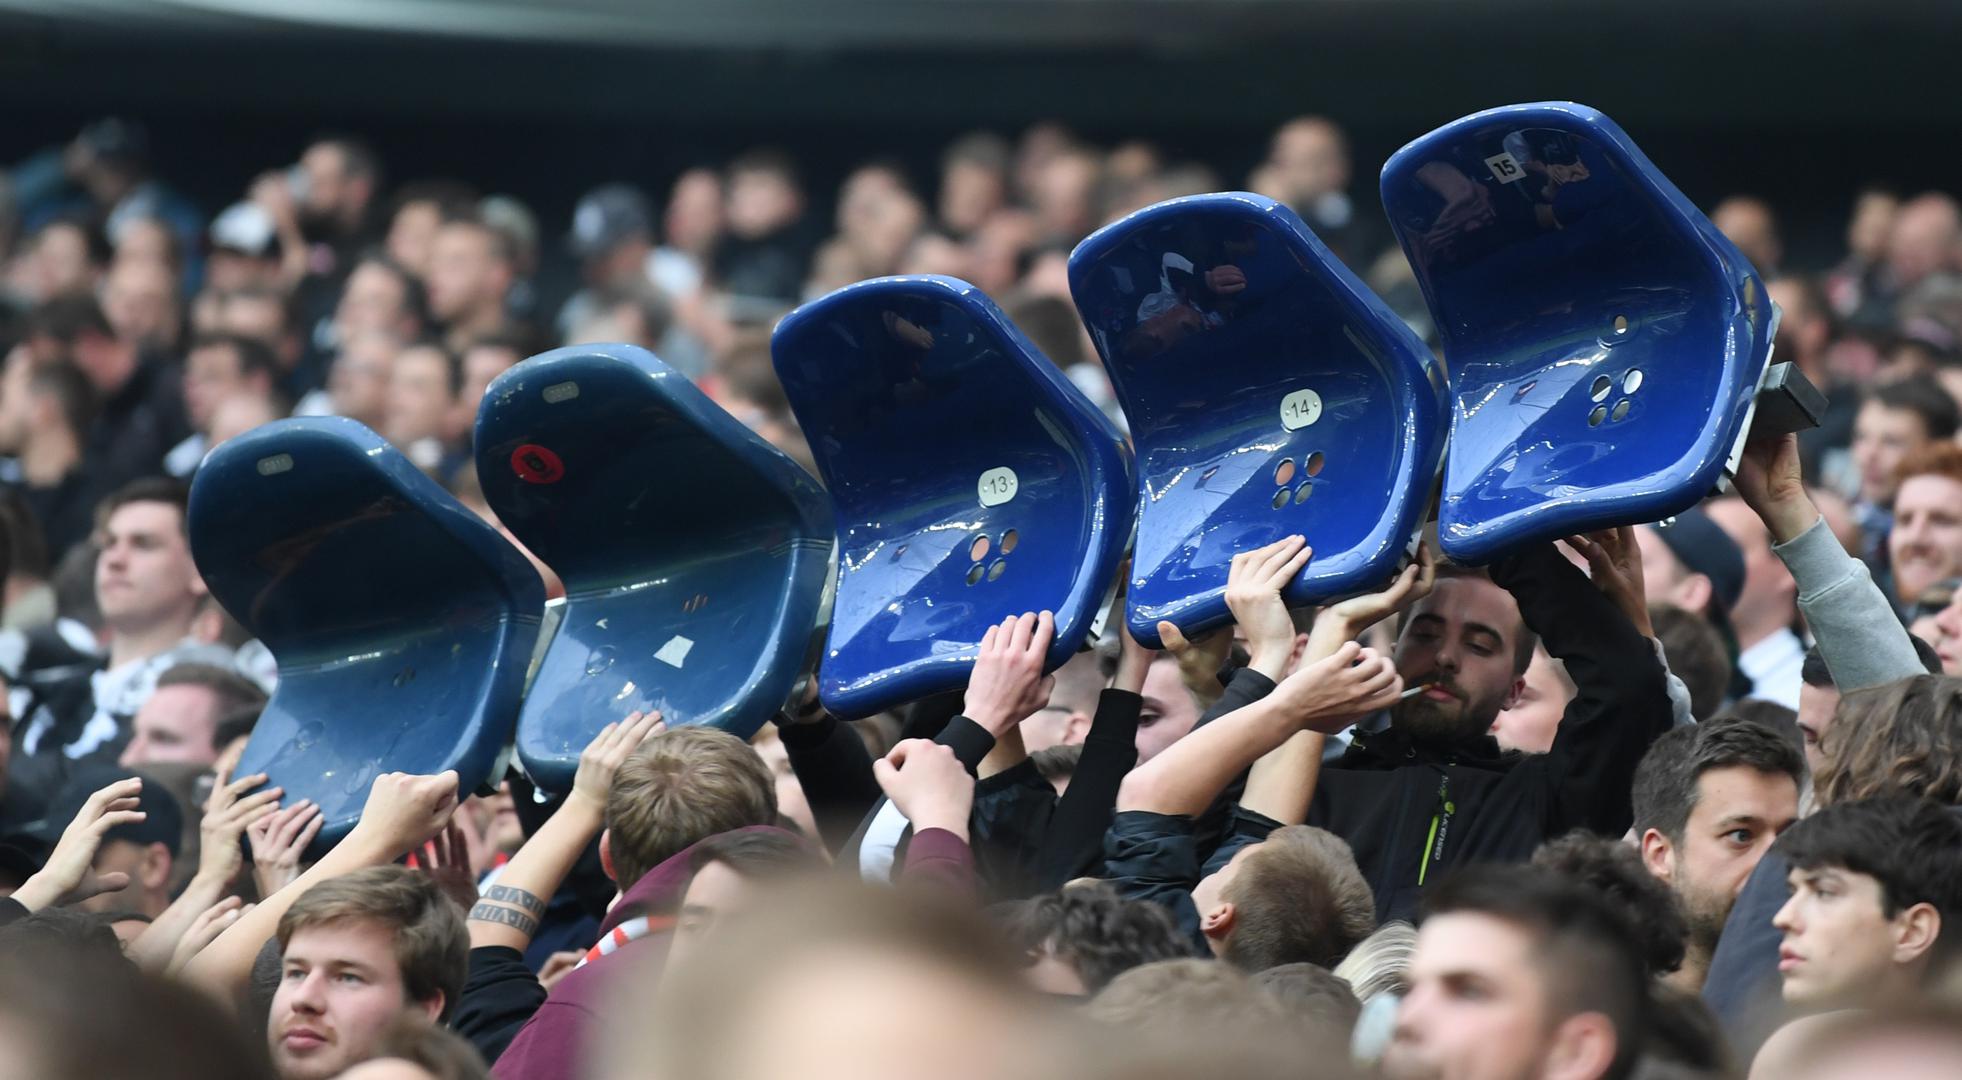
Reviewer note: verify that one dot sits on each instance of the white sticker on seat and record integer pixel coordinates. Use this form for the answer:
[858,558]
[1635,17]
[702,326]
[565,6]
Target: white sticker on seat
[675,652]
[1300,409]
[998,486]
[1505,168]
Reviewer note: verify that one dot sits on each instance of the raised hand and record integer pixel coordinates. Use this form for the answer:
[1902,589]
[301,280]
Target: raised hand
[610,749]
[928,784]
[1340,622]
[446,859]
[228,814]
[1253,593]
[1200,661]
[1331,693]
[1007,685]
[1614,563]
[1771,483]
[404,811]
[69,876]
[279,841]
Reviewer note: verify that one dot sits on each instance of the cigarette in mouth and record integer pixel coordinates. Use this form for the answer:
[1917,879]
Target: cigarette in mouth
[1415,690]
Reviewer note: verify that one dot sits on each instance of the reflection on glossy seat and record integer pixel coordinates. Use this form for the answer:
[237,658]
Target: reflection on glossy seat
[401,622]
[1605,341]
[1269,393]
[970,481]
[694,554]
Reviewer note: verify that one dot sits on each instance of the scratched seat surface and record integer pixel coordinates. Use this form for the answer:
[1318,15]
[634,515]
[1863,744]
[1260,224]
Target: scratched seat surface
[1605,342]
[694,554]
[402,624]
[1268,391]
[969,478]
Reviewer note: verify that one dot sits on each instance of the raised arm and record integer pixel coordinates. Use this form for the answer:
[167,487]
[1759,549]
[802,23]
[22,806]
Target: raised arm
[402,812]
[508,912]
[1859,635]
[1282,782]
[1186,777]
[227,814]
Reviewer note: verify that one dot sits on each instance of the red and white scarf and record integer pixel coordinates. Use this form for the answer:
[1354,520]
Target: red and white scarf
[629,931]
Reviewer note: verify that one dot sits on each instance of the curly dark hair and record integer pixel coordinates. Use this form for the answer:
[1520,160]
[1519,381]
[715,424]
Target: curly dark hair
[1615,871]
[1095,931]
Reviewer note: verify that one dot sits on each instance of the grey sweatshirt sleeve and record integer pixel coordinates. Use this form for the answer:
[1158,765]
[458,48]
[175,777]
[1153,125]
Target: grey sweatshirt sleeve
[1860,637]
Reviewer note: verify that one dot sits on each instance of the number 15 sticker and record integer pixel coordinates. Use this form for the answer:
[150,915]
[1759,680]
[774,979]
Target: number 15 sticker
[998,486]
[1505,168]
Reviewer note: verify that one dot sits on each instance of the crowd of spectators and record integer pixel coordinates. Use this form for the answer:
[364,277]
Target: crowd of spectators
[1675,799]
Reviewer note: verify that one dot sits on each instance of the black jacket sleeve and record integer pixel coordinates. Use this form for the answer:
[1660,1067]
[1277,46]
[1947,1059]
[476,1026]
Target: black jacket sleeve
[835,770]
[1150,856]
[12,911]
[1244,688]
[1013,811]
[1622,703]
[1073,846]
[499,994]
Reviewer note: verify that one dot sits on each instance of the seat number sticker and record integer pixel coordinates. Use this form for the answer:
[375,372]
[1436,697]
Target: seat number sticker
[1300,409]
[998,486]
[1505,168]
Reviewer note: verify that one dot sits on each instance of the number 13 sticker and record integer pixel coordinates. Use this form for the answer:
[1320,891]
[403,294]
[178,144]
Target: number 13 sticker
[998,486]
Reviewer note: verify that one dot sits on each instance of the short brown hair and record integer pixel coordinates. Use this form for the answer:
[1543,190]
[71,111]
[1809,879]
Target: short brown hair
[680,788]
[1298,899]
[1903,738]
[439,1052]
[432,946]
[234,691]
[149,489]
[1200,993]
[1940,458]
[1696,654]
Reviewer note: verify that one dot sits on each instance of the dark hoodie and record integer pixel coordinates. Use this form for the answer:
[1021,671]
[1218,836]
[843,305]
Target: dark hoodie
[1411,810]
[554,1044]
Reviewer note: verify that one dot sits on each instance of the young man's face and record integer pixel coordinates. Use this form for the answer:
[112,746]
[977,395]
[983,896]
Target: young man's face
[1925,545]
[715,893]
[339,989]
[1739,811]
[1460,639]
[1881,438]
[145,574]
[1169,711]
[1839,943]
[175,724]
[1477,1007]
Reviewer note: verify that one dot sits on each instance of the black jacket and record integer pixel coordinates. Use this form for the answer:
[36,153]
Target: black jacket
[1411,810]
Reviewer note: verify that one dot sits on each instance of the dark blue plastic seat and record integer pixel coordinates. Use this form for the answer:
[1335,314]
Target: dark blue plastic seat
[970,481]
[1269,392]
[402,623]
[694,554]
[1605,342]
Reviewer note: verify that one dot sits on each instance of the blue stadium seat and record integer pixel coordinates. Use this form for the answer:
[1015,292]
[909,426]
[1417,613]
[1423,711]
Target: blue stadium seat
[402,623]
[1269,393]
[694,554]
[1605,342]
[970,480]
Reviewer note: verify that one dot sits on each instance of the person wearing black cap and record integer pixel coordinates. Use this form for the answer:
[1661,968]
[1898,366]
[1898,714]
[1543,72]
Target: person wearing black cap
[613,236]
[1689,562]
[145,850]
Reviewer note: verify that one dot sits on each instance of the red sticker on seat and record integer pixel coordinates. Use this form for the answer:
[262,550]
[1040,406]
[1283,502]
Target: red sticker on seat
[536,465]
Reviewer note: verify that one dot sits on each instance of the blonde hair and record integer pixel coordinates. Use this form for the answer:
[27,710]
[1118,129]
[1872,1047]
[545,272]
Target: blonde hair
[680,788]
[1381,964]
